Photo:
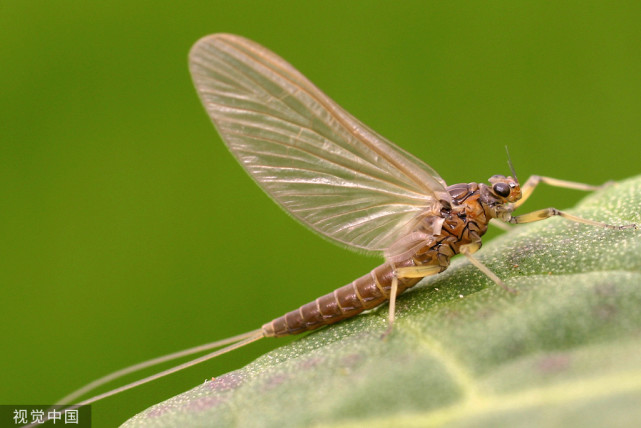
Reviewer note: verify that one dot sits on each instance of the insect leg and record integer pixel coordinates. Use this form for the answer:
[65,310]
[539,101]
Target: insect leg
[534,180]
[550,212]
[392,303]
[418,271]
[406,272]
[500,224]
[467,250]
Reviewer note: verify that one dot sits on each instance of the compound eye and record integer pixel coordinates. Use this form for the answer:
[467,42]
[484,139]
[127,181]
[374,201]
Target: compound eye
[501,189]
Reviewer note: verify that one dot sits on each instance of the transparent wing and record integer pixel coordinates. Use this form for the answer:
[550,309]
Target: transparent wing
[322,165]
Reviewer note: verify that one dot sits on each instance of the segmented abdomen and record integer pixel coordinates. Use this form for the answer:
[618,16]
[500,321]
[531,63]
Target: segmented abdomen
[364,293]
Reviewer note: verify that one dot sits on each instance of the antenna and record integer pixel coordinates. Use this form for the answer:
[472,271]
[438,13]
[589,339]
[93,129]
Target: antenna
[509,162]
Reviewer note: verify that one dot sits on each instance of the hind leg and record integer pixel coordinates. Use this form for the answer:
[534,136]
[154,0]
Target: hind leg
[406,272]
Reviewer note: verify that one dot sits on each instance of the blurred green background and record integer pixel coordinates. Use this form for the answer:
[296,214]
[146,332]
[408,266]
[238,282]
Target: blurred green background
[128,231]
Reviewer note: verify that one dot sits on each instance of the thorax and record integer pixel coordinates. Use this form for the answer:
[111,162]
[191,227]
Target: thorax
[462,223]
[469,216]
[437,236]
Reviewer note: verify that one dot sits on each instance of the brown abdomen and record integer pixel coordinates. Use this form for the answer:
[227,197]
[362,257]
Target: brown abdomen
[363,293]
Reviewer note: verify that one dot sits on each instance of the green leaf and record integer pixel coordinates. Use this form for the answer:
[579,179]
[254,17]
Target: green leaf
[564,351]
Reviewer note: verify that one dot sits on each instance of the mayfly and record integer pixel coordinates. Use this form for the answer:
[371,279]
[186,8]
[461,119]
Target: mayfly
[343,181]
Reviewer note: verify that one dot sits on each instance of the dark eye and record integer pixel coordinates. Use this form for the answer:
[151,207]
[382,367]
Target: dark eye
[501,189]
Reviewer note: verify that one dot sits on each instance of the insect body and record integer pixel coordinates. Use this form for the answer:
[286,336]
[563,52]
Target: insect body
[343,181]
[426,250]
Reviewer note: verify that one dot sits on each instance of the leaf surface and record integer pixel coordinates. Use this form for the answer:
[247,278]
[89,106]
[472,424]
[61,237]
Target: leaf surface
[564,351]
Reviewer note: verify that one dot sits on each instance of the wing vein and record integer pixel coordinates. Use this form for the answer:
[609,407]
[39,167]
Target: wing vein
[323,166]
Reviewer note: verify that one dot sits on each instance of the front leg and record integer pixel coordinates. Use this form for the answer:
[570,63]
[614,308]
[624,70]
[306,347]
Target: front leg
[534,180]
